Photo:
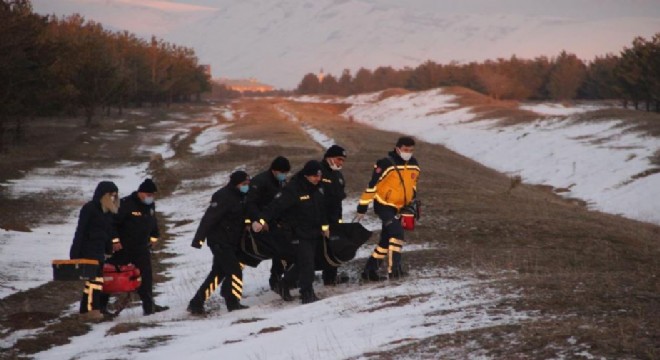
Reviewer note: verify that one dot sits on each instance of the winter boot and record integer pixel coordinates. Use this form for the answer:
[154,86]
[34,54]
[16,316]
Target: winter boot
[234,304]
[94,316]
[308,297]
[272,281]
[397,272]
[282,289]
[372,275]
[196,308]
[155,309]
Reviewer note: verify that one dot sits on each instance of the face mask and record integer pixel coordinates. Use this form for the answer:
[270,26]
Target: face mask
[244,188]
[148,200]
[334,166]
[280,177]
[405,155]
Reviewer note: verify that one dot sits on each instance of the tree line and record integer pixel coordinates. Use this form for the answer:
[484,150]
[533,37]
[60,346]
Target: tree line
[53,66]
[633,76]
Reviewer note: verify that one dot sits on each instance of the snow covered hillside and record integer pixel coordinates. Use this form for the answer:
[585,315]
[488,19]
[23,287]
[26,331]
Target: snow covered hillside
[599,162]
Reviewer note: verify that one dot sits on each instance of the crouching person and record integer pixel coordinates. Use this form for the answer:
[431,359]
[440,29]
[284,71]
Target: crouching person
[95,236]
[222,226]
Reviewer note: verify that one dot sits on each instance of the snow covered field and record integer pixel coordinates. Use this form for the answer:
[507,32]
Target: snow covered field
[594,160]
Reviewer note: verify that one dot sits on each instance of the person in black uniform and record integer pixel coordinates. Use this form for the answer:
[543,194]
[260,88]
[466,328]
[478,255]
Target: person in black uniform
[301,208]
[222,226]
[138,229]
[94,238]
[334,193]
[263,188]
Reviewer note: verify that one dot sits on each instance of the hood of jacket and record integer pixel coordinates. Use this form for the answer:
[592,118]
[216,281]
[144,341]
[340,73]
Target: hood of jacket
[103,188]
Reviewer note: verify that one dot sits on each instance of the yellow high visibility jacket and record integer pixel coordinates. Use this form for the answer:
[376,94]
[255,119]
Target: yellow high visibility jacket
[387,187]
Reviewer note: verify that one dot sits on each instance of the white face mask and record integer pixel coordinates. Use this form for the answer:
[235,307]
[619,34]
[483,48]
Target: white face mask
[333,165]
[148,200]
[405,155]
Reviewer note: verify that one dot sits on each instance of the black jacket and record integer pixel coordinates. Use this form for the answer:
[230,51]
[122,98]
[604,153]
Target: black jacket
[224,219]
[333,191]
[95,231]
[263,189]
[301,206]
[136,223]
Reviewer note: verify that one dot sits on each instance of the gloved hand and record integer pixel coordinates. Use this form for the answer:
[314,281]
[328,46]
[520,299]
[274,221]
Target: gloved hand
[197,244]
[116,247]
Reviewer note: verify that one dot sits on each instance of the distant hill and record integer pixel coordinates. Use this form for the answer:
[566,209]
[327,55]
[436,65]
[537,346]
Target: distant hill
[243,85]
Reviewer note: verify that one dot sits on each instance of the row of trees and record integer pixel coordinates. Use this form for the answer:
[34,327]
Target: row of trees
[633,76]
[51,66]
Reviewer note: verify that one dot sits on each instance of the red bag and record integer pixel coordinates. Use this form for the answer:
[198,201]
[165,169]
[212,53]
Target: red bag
[120,278]
[408,221]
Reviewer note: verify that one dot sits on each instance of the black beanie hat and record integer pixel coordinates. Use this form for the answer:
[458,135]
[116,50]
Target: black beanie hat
[237,177]
[335,151]
[281,164]
[311,168]
[148,186]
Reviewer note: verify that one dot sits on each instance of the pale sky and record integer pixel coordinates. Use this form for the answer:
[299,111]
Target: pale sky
[278,41]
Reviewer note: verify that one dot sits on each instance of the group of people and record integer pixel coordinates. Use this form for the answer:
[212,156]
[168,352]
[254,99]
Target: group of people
[125,228]
[299,212]
[270,207]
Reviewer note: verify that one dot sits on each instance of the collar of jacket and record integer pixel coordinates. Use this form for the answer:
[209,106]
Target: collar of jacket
[394,155]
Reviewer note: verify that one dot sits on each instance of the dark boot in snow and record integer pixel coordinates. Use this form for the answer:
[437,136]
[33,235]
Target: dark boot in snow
[196,308]
[234,304]
[308,297]
[282,289]
[155,309]
[372,275]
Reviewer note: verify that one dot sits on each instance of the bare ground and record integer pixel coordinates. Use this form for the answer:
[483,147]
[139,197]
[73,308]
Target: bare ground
[591,278]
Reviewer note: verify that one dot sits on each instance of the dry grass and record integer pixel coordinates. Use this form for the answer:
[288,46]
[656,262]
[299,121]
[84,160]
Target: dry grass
[592,278]
[392,92]
[588,274]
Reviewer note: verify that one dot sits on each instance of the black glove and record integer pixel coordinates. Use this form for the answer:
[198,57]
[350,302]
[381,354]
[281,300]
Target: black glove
[197,244]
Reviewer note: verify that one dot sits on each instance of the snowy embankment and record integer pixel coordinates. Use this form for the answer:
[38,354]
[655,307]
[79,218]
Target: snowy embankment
[351,319]
[599,162]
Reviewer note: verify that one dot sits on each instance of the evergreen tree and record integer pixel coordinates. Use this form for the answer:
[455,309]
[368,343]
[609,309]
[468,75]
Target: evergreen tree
[309,85]
[565,77]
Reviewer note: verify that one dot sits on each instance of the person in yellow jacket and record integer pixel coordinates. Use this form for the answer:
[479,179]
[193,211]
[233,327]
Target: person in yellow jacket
[393,185]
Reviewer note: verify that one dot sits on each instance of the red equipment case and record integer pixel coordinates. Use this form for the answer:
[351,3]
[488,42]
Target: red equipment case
[120,278]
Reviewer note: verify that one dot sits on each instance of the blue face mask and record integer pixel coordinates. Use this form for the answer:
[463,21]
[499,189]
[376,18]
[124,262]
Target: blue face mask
[244,188]
[280,177]
[148,200]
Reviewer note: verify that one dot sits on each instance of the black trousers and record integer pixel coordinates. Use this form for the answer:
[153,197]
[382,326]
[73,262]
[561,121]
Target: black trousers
[226,269]
[391,240]
[303,268]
